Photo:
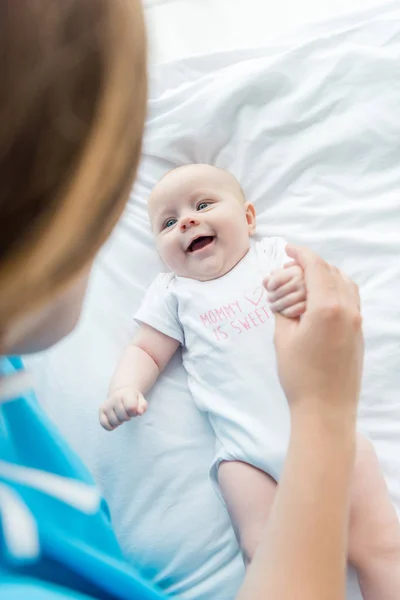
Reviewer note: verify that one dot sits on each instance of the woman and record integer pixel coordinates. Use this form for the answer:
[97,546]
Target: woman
[72,110]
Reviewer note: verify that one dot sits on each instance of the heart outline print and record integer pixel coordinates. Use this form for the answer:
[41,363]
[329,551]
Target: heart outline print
[255,295]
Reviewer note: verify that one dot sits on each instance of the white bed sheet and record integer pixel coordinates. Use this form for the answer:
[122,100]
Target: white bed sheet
[182,28]
[311,127]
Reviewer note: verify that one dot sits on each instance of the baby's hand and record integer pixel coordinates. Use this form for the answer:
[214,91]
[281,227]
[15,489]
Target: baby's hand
[287,291]
[121,406]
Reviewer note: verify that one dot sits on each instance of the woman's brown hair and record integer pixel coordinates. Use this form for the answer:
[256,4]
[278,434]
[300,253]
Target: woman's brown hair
[72,110]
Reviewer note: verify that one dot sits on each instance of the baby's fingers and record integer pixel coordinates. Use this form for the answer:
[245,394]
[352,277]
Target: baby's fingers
[288,301]
[120,407]
[108,419]
[294,312]
[134,404]
[142,405]
[120,410]
[294,285]
[281,277]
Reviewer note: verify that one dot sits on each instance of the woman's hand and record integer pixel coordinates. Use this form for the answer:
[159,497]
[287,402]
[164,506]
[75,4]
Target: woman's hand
[320,355]
[303,551]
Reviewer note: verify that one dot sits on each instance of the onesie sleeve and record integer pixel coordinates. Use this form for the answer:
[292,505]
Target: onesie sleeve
[272,253]
[159,308]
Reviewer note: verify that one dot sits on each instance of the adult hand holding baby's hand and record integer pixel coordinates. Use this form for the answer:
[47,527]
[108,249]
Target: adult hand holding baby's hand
[286,291]
[122,404]
[320,355]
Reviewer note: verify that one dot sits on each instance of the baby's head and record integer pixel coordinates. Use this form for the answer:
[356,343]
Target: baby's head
[201,221]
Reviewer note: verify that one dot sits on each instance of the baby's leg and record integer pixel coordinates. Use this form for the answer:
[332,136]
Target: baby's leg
[248,494]
[374,529]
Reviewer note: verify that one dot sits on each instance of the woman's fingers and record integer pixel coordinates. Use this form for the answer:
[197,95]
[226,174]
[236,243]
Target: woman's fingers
[320,284]
[349,289]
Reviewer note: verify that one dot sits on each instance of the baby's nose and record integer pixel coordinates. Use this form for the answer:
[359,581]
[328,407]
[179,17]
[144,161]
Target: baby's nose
[188,222]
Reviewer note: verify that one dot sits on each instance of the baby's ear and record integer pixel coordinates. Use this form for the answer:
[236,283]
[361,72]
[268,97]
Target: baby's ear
[250,217]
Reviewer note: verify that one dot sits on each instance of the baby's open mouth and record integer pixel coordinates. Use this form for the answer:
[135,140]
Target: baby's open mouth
[200,243]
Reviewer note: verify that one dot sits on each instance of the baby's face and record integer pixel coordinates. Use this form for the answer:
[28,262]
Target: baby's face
[201,222]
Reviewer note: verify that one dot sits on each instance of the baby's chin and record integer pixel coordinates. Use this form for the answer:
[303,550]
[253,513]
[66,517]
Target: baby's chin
[206,270]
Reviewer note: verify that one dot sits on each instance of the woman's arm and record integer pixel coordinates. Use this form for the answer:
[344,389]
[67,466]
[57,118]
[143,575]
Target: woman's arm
[303,553]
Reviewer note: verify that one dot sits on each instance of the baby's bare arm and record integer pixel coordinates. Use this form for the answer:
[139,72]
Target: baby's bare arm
[143,359]
[141,363]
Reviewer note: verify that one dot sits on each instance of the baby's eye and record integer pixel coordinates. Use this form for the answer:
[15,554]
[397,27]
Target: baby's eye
[202,205]
[169,223]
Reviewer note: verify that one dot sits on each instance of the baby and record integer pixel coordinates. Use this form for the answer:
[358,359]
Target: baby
[213,303]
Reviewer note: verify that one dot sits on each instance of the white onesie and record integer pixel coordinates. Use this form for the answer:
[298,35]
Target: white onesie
[226,330]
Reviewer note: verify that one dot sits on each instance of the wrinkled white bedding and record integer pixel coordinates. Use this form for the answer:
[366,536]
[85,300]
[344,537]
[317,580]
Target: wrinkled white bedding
[311,127]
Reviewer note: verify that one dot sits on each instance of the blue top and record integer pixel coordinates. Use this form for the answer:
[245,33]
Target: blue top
[56,539]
